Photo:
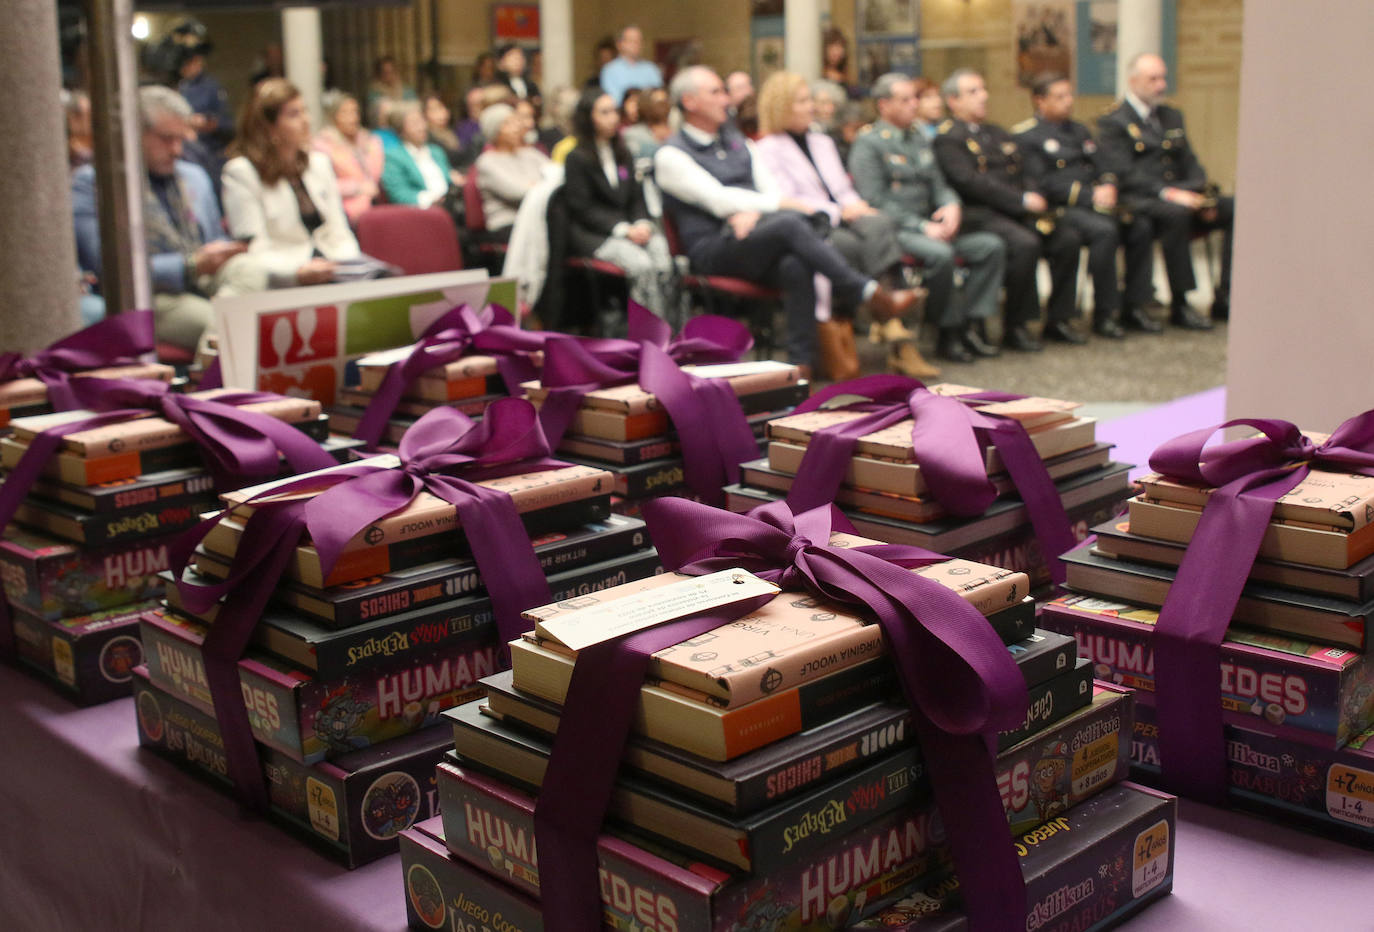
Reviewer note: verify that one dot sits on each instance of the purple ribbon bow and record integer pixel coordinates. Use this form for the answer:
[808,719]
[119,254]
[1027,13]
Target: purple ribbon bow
[948,434]
[1248,477]
[957,675]
[491,331]
[710,423]
[118,340]
[444,453]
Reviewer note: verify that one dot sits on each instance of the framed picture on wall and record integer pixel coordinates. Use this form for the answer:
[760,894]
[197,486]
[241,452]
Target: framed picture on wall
[1097,44]
[515,22]
[1043,38]
[886,17]
[875,59]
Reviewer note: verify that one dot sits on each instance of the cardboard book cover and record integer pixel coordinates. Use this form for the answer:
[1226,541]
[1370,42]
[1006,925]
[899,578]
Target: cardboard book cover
[144,431]
[92,529]
[9,414]
[1272,771]
[1353,584]
[491,827]
[353,808]
[1339,500]
[1279,611]
[89,657]
[443,580]
[18,393]
[783,643]
[958,536]
[345,418]
[1088,869]
[745,378]
[746,784]
[385,544]
[311,719]
[52,579]
[408,409]
[333,653]
[1325,692]
[1290,541]
[373,367]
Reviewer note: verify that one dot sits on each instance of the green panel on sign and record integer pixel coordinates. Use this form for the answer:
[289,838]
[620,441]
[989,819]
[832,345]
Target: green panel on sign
[503,293]
[383,322]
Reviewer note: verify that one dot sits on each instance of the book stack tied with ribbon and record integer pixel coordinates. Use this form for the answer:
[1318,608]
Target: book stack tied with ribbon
[795,728]
[314,630]
[998,478]
[465,360]
[665,415]
[95,492]
[1236,597]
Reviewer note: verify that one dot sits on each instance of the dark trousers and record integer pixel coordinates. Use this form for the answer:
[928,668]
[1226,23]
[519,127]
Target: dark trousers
[1100,234]
[784,251]
[868,244]
[1025,246]
[1174,225]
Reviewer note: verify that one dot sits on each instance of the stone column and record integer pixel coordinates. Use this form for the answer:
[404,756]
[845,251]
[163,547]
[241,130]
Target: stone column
[303,51]
[1138,24]
[37,251]
[556,44]
[802,37]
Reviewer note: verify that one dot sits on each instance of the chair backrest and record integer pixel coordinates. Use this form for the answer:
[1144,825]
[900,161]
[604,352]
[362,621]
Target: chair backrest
[474,217]
[419,241]
[670,233]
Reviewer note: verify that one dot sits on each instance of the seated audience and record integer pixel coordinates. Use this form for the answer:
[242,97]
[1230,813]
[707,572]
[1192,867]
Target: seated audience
[828,97]
[468,128]
[835,62]
[386,88]
[930,107]
[807,168]
[80,144]
[354,152]
[417,170]
[508,169]
[738,86]
[189,258]
[281,197]
[732,220]
[438,123]
[607,215]
[628,70]
[603,54]
[510,71]
[644,138]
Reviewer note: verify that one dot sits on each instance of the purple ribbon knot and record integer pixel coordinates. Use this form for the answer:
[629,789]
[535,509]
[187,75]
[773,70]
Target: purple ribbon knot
[948,435]
[958,676]
[458,332]
[444,453]
[118,340]
[709,420]
[1248,477]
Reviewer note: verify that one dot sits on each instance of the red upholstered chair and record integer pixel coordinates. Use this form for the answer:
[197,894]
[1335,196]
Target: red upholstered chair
[489,254]
[417,240]
[172,355]
[722,293]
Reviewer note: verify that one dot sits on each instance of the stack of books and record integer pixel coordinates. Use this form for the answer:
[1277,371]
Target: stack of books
[626,430]
[468,384]
[887,498]
[81,557]
[772,778]
[348,672]
[29,396]
[1296,685]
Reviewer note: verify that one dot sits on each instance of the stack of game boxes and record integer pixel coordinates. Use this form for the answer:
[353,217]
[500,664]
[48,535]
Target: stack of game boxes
[347,672]
[81,556]
[468,384]
[626,430]
[1296,685]
[772,779]
[886,497]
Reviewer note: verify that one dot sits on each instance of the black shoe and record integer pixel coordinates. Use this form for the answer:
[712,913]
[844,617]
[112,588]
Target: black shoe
[1060,332]
[978,344]
[1221,308]
[1138,319]
[1184,316]
[951,347]
[1109,327]
[1020,339]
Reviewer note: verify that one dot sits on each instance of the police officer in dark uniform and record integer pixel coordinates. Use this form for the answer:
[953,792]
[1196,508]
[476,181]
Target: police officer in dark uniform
[983,164]
[1162,181]
[1062,161]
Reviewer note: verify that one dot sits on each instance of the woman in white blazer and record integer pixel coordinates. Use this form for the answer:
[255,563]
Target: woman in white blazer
[282,197]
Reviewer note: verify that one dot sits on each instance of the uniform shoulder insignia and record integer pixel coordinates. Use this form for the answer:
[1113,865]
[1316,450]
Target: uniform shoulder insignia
[945,126]
[1112,107]
[1024,126]
[865,129]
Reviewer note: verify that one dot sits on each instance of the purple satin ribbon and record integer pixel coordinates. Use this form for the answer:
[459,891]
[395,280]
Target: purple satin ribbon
[444,453]
[959,678]
[706,413]
[114,341]
[457,333]
[1248,477]
[948,434]
[213,376]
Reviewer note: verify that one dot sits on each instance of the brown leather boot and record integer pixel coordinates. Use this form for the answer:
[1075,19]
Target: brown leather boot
[906,360]
[884,304]
[839,356]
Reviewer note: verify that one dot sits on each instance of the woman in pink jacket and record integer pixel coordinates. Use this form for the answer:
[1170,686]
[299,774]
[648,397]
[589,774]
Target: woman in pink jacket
[355,153]
[807,167]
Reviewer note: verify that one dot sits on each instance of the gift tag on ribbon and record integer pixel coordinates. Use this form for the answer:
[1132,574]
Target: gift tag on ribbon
[603,621]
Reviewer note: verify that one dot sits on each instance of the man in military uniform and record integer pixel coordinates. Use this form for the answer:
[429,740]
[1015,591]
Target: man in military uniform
[983,164]
[893,166]
[1061,159]
[1161,180]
